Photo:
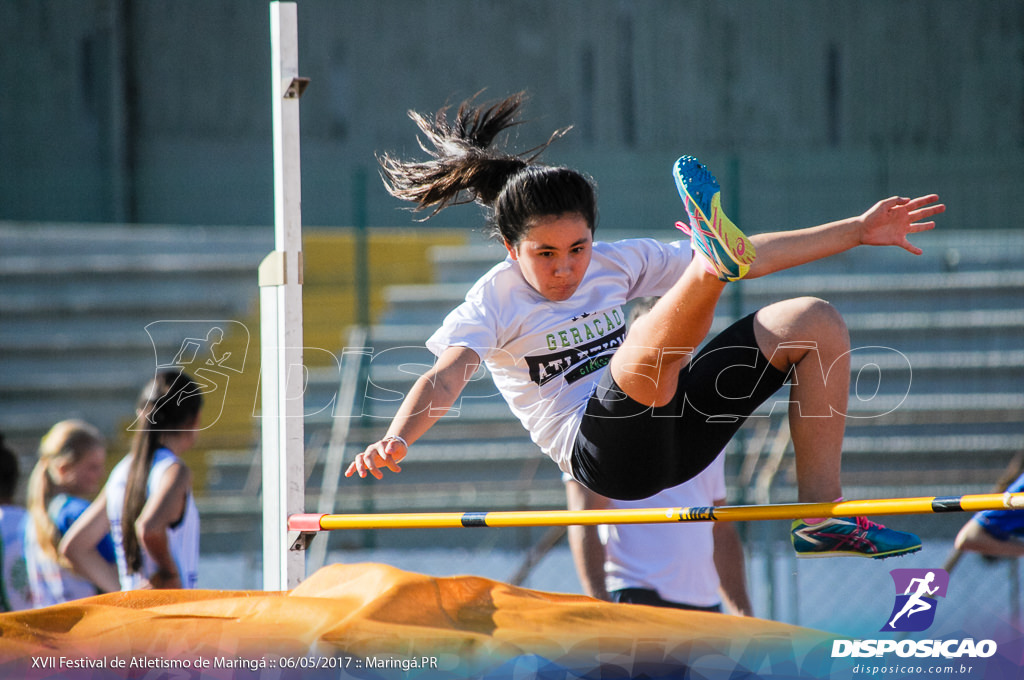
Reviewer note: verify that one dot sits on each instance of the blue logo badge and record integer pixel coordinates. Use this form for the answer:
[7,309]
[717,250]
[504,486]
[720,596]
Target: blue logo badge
[916,593]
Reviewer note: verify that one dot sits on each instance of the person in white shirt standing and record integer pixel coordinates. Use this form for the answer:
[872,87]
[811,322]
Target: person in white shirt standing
[692,565]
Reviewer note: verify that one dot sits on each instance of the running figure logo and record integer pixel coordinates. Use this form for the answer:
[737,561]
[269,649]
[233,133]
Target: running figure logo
[197,347]
[916,590]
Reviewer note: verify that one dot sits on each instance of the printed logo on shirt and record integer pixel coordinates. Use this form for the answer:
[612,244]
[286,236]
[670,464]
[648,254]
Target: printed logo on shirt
[581,349]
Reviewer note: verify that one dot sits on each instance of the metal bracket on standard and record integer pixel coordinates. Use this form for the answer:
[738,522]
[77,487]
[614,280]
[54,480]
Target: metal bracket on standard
[273,270]
[308,526]
[303,540]
[295,88]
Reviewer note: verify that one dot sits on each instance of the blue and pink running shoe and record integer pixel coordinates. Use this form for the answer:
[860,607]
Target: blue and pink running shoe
[726,250]
[855,536]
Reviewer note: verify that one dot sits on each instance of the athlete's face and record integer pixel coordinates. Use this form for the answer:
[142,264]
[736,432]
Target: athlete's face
[554,255]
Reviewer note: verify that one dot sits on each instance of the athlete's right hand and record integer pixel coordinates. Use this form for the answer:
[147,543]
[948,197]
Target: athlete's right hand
[384,453]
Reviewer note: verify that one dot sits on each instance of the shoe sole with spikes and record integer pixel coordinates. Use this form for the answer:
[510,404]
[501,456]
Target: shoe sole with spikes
[727,249]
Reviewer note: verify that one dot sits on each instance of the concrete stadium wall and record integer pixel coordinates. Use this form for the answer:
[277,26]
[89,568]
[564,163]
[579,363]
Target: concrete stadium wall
[158,112]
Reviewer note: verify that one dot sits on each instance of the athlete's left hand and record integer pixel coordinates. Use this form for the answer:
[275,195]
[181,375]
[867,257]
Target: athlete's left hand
[889,222]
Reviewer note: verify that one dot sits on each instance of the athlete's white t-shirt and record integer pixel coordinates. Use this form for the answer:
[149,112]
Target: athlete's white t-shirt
[676,560]
[183,538]
[545,357]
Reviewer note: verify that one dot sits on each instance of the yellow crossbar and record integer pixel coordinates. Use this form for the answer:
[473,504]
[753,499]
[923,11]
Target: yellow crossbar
[547,518]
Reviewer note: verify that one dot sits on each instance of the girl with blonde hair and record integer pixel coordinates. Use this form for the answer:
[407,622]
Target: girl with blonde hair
[69,472]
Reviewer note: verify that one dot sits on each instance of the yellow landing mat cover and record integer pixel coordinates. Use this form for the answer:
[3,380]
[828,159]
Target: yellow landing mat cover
[372,616]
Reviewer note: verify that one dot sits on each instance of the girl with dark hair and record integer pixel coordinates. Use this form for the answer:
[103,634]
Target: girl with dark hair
[70,470]
[630,415]
[147,503]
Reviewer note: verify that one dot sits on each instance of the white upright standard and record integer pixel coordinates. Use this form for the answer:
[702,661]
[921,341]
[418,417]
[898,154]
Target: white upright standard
[282,373]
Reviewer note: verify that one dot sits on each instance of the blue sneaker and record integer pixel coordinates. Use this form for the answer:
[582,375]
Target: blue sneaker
[727,252]
[856,536]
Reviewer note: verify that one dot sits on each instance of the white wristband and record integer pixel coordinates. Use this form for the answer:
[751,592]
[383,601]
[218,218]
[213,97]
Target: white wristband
[398,439]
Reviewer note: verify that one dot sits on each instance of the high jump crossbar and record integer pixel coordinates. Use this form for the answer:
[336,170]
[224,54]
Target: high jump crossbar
[309,524]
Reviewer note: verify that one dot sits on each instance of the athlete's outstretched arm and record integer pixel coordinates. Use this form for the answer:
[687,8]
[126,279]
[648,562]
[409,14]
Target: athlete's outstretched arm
[430,398]
[887,223]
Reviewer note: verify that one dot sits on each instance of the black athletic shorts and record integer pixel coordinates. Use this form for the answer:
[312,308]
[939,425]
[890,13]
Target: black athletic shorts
[629,451]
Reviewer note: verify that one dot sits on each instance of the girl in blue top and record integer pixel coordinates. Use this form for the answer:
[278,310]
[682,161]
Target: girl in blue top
[69,472]
[996,533]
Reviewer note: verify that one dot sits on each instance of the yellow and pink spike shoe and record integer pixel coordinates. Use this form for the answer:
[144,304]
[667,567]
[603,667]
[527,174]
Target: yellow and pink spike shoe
[727,252]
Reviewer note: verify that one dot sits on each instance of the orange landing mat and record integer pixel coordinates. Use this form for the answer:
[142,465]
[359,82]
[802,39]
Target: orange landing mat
[375,621]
